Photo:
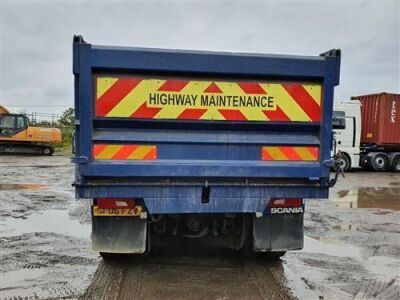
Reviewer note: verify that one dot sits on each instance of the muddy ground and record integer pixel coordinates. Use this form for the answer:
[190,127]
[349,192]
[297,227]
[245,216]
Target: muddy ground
[352,247]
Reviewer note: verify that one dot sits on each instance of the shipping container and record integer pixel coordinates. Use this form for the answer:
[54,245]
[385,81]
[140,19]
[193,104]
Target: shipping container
[380,115]
[214,147]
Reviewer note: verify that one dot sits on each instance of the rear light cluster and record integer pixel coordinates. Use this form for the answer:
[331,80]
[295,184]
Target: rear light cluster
[286,202]
[105,203]
[286,206]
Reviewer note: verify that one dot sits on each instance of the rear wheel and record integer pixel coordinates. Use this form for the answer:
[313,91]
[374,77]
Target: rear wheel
[396,164]
[380,162]
[248,245]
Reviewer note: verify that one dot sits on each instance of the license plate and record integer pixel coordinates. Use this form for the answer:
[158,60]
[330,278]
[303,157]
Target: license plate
[117,212]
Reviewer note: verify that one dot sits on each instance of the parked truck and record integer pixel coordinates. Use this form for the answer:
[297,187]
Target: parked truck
[370,135]
[18,136]
[211,148]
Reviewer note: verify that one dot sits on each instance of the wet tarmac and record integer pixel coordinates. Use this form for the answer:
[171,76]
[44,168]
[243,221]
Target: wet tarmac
[369,197]
[351,251]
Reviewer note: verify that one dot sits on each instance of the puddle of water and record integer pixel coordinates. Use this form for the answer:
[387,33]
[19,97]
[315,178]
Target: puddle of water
[56,221]
[21,186]
[313,245]
[369,197]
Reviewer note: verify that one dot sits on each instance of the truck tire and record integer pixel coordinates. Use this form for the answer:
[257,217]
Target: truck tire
[344,163]
[396,164]
[380,162]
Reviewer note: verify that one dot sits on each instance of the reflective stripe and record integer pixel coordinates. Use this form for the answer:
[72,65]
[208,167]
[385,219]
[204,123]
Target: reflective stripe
[146,98]
[288,153]
[124,152]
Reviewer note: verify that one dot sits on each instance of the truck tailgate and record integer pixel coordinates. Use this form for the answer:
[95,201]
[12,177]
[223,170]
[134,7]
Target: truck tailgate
[211,132]
[185,119]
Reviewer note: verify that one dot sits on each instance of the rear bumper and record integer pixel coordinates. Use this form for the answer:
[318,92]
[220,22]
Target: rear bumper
[166,199]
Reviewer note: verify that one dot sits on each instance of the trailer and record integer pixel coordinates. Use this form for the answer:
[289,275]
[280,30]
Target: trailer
[216,149]
[370,137]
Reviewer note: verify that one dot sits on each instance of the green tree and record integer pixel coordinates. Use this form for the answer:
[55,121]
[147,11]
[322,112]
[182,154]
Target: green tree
[67,118]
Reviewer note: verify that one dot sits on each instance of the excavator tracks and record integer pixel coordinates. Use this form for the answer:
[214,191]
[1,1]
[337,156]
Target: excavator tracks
[25,149]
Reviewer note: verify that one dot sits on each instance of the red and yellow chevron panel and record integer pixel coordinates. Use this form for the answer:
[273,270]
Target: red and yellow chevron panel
[124,152]
[290,153]
[147,98]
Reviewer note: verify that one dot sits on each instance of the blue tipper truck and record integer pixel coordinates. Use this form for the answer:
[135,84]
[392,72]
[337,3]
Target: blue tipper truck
[218,149]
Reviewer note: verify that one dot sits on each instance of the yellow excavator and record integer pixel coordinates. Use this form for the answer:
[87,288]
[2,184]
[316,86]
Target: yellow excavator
[17,136]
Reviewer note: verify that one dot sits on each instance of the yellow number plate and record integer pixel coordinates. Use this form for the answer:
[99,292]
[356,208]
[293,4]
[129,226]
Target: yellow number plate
[117,212]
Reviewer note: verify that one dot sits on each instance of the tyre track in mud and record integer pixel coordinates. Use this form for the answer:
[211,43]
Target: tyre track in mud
[269,278]
[375,289]
[107,281]
[189,278]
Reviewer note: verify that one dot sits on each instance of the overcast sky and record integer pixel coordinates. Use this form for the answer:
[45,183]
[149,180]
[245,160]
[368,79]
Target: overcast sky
[36,39]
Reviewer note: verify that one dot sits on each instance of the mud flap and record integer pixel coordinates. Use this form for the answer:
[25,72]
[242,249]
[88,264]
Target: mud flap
[119,234]
[278,232]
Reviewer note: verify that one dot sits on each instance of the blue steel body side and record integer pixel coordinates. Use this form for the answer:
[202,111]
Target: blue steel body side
[204,168]
[221,64]
[237,146]
[204,137]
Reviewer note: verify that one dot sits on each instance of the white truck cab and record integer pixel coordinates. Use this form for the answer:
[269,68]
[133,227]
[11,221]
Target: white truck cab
[348,138]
